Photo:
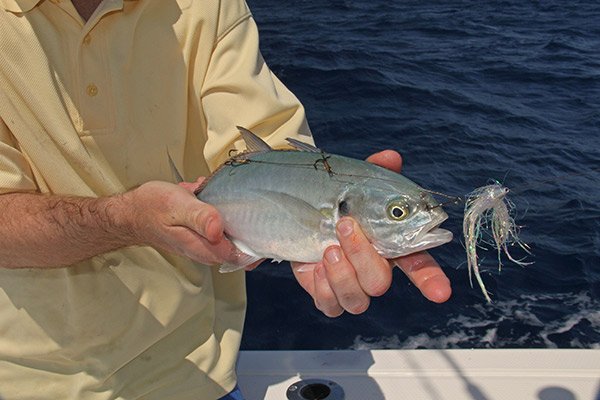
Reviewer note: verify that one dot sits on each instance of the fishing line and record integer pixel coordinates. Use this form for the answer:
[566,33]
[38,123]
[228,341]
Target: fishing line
[486,209]
[240,159]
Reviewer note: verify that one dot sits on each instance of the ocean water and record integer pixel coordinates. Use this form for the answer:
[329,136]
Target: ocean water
[467,92]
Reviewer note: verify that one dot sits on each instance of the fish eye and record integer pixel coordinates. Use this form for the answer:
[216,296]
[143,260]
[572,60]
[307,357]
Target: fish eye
[343,208]
[397,211]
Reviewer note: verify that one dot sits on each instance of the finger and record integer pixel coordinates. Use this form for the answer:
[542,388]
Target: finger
[185,210]
[203,218]
[312,277]
[389,159]
[189,243]
[223,253]
[304,276]
[342,279]
[192,186]
[373,271]
[325,298]
[427,275]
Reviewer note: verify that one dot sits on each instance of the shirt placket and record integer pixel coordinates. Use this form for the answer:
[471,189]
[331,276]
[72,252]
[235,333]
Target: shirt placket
[94,98]
[95,92]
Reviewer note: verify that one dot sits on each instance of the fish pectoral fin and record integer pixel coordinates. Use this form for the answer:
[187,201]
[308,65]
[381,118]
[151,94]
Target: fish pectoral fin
[293,211]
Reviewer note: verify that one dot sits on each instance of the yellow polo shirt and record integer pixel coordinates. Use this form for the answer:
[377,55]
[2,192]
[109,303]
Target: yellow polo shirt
[92,108]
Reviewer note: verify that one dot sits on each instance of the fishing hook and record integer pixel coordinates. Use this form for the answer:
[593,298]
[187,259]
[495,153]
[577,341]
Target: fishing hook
[325,161]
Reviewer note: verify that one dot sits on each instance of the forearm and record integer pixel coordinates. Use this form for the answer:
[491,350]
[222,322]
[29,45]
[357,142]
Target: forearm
[50,231]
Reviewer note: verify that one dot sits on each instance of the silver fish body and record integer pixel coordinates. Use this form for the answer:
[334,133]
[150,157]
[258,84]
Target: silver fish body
[285,204]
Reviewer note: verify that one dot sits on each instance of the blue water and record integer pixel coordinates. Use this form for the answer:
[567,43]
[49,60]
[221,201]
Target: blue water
[467,92]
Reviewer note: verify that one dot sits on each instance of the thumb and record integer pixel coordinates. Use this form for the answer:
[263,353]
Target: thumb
[192,186]
[202,218]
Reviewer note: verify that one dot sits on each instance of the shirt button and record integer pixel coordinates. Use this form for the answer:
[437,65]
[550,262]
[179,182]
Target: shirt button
[87,39]
[92,90]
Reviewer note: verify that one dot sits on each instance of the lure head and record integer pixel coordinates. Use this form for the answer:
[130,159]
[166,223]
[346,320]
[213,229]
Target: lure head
[399,218]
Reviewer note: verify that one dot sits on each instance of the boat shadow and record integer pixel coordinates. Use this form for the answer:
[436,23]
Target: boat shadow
[265,375]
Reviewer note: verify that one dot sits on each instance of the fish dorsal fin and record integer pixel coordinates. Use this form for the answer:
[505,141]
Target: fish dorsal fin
[253,142]
[298,145]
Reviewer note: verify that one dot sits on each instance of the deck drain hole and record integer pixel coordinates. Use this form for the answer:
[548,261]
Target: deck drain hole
[315,389]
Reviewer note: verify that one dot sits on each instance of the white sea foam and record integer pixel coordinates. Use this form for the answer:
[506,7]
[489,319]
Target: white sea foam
[481,329]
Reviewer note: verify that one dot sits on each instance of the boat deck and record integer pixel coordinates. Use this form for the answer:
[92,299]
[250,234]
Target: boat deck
[482,374]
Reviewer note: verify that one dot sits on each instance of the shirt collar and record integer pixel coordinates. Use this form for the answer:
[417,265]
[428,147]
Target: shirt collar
[18,6]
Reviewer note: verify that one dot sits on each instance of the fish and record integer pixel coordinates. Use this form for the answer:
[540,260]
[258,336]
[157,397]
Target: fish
[285,204]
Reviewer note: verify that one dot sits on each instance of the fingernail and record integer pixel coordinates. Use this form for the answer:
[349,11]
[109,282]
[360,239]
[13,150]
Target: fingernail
[333,255]
[345,228]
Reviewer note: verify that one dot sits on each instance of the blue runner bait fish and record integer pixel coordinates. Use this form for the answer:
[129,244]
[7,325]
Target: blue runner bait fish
[284,204]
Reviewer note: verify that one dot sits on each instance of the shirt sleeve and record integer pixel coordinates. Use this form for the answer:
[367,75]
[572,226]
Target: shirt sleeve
[15,172]
[240,90]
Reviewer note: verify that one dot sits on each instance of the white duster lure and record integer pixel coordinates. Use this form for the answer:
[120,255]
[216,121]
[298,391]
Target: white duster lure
[488,208]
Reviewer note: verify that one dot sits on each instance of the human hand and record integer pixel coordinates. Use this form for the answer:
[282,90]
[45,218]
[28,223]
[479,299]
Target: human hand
[350,274]
[170,217]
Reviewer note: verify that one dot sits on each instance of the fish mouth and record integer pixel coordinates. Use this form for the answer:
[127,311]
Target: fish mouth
[426,236]
[433,238]
[430,235]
